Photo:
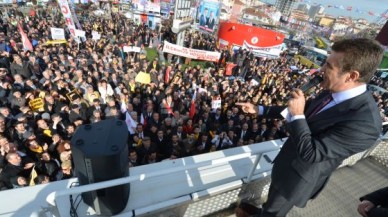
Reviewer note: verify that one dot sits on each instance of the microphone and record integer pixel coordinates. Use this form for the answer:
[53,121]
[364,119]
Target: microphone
[304,88]
[313,82]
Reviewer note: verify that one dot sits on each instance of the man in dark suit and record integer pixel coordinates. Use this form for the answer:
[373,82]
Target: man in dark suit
[341,121]
[374,204]
[244,133]
[96,107]
[203,18]
[210,21]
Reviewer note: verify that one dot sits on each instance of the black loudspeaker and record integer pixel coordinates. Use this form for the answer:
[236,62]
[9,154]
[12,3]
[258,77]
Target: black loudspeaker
[100,153]
[382,37]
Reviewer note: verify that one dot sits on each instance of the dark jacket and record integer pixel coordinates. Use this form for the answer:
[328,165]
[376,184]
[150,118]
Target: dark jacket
[319,144]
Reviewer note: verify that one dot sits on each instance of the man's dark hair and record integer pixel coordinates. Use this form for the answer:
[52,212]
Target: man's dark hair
[361,54]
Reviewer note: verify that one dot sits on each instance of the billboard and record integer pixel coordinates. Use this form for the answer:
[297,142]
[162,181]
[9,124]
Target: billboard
[146,5]
[208,15]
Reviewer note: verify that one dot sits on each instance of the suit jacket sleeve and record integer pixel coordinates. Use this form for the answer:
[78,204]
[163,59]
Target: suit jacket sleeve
[379,197]
[273,111]
[341,140]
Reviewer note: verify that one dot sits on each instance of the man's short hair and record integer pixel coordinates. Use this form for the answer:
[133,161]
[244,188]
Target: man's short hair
[361,54]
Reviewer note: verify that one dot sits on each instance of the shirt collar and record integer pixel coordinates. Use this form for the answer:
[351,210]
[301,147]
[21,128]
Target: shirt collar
[348,94]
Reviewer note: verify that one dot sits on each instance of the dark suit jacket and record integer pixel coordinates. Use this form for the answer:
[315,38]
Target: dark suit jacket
[247,135]
[378,198]
[318,145]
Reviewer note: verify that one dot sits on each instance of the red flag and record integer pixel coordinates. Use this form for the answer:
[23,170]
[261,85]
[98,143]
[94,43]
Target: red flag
[349,8]
[229,68]
[167,75]
[192,106]
[371,13]
[143,18]
[26,42]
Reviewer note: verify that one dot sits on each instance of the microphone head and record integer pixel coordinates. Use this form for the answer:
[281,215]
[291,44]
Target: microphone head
[316,80]
[313,82]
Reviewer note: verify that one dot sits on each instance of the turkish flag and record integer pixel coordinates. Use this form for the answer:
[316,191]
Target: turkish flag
[26,42]
[167,75]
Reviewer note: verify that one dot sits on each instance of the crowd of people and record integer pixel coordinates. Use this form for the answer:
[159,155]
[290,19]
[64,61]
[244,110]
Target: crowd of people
[95,80]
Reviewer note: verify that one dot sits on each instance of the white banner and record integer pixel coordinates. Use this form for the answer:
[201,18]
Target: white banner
[80,33]
[64,5]
[96,35]
[271,52]
[57,33]
[131,49]
[191,53]
[216,104]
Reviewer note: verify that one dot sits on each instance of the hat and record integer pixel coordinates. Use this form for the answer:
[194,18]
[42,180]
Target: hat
[70,58]
[17,123]
[46,116]
[74,106]
[27,135]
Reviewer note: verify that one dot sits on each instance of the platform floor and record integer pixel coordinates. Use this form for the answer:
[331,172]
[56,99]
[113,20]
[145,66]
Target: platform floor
[341,195]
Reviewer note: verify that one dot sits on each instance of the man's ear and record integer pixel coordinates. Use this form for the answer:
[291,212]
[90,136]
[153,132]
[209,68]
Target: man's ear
[353,76]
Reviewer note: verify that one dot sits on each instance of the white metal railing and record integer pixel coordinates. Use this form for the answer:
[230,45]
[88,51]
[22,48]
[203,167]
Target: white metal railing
[54,197]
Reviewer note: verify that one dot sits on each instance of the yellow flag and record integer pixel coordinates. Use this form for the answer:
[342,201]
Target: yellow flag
[33,175]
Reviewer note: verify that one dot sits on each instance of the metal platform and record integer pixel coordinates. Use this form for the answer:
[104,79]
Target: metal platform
[341,196]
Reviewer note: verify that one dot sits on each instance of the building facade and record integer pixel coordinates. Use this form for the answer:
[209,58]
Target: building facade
[285,6]
[304,7]
[315,10]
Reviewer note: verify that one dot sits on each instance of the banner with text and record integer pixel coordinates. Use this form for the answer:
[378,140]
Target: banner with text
[270,52]
[131,49]
[191,53]
[57,33]
[64,5]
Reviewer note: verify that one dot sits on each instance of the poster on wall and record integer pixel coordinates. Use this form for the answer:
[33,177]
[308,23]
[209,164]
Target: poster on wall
[165,7]
[146,5]
[208,15]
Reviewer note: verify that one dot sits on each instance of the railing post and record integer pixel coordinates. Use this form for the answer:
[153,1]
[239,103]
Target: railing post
[257,160]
